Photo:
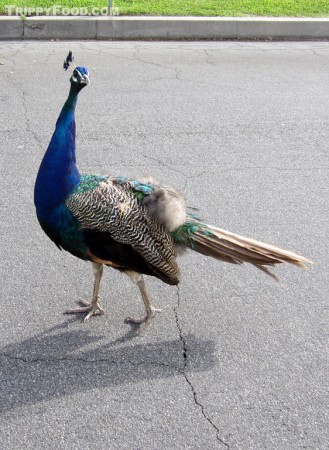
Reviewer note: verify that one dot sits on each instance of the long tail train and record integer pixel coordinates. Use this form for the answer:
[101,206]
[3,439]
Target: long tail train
[233,248]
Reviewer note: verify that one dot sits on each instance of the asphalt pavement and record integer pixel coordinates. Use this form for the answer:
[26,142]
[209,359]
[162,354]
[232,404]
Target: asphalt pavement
[235,360]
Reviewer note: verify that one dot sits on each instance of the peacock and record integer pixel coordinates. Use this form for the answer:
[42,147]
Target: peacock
[138,227]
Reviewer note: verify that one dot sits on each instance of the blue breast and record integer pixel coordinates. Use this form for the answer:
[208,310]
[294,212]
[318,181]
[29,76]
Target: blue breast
[58,174]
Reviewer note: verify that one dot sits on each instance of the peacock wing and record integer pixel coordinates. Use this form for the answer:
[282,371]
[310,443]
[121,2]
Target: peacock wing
[119,231]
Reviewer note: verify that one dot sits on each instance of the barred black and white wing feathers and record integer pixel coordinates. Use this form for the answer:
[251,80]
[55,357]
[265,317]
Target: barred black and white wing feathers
[120,232]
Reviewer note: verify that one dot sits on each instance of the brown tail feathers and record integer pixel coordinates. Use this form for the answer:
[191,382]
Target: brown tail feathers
[229,247]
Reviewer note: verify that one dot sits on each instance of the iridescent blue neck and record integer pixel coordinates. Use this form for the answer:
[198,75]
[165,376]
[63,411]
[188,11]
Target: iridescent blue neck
[58,174]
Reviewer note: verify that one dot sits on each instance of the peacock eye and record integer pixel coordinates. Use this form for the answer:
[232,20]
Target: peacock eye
[75,73]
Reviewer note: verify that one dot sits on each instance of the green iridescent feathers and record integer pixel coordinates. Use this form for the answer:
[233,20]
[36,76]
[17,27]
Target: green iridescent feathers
[89,183]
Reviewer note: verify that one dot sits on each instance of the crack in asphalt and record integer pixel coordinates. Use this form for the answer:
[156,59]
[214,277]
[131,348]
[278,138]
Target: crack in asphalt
[161,163]
[187,379]
[181,369]
[135,57]
[28,121]
[209,59]
[24,96]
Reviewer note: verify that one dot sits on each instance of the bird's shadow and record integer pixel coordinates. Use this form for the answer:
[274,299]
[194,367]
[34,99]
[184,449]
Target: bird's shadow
[60,362]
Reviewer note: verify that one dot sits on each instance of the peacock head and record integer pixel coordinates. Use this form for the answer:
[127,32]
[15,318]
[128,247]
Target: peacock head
[80,77]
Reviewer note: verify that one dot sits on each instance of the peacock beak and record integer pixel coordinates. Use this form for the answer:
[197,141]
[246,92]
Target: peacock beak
[85,80]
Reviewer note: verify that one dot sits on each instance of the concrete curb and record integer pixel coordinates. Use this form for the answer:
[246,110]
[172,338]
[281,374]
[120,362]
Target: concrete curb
[162,28]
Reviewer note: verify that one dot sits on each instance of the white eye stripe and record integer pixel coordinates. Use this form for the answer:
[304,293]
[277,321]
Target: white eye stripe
[77,76]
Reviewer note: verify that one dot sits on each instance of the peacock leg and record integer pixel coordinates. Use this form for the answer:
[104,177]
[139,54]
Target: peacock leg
[94,307]
[138,279]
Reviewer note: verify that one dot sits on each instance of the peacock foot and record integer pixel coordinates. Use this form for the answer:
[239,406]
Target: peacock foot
[93,309]
[144,320]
